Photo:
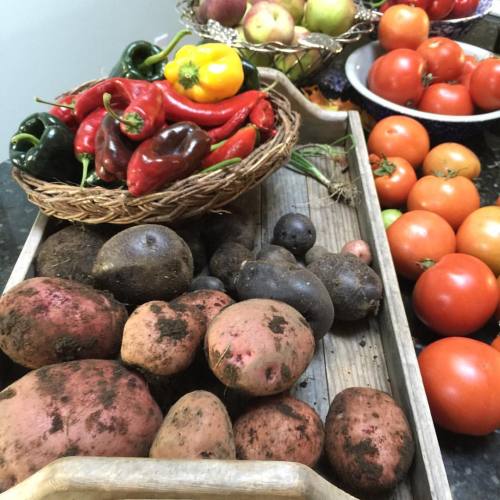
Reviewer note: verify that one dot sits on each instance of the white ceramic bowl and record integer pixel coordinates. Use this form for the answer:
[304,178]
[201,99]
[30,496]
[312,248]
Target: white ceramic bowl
[357,67]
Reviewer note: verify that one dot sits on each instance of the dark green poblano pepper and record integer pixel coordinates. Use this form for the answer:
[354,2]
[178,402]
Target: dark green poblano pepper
[43,148]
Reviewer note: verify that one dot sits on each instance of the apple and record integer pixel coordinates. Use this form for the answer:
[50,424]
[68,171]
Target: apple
[256,58]
[332,17]
[296,66]
[227,12]
[268,22]
[295,7]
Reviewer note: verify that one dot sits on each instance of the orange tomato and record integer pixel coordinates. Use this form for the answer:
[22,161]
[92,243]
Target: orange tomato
[453,198]
[497,313]
[403,27]
[394,178]
[400,136]
[450,156]
[417,239]
[496,343]
[479,235]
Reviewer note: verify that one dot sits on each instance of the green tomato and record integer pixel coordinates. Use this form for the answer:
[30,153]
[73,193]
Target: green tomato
[390,215]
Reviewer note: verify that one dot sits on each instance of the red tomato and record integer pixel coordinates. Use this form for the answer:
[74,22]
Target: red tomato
[394,177]
[400,136]
[450,157]
[403,27]
[444,57]
[470,64]
[497,315]
[461,382]
[479,235]
[496,343]
[463,8]
[386,5]
[439,9]
[485,84]
[447,99]
[398,77]
[464,79]
[423,4]
[456,296]
[453,198]
[417,239]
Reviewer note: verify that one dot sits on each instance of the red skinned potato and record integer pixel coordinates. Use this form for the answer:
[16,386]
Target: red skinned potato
[162,338]
[50,320]
[197,426]
[360,249]
[85,407]
[259,346]
[368,440]
[280,428]
[208,302]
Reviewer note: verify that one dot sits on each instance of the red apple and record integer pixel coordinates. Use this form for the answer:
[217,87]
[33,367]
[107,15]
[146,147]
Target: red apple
[268,22]
[295,7]
[226,12]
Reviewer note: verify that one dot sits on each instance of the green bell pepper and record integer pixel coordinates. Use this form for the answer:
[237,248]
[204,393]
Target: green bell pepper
[43,148]
[252,81]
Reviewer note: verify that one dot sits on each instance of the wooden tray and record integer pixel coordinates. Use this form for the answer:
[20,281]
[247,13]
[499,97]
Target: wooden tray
[375,353]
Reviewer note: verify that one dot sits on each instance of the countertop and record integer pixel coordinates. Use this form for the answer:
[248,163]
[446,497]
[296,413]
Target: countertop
[472,464]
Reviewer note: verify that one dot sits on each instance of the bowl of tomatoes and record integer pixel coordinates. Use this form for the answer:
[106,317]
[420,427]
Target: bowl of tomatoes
[450,18]
[397,85]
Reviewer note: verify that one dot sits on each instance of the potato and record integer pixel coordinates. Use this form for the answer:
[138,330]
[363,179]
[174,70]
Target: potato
[191,235]
[315,253]
[70,253]
[237,226]
[202,282]
[144,263]
[87,407]
[295,232]
[259,346]
[355,288]
[280,428]
[368,440]
[275,253]
[48,320]
[208,302]
[162,338]
[226,262]
[295,286]
[197,426]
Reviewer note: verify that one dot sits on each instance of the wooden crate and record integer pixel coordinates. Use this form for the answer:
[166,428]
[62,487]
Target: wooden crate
[376,353]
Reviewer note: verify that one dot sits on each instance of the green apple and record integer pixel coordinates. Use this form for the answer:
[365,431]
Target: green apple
[332,17]
[295,7]
[268,22]
[256,58]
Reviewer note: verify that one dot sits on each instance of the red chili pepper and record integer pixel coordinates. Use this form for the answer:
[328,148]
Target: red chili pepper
[240,145]
[232,125]
[262,116]
[66,115]
[143,116]
[180,108]
[84,143]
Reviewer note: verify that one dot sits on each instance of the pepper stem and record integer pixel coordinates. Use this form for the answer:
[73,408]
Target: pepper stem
[217,145]
[161,56]
[25,137]
[52,103]
[221,164]
[374,5]
[131,122]
[85,159]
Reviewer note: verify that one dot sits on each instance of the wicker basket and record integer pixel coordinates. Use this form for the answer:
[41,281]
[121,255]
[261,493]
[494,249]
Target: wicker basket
[313,52]
[185,198]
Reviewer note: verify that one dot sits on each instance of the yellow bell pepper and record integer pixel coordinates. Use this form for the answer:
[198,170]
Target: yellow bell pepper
[206,73]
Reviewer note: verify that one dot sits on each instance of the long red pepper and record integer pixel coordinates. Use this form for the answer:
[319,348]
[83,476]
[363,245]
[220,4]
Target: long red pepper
[84,142]
[66,115]
[240,145]
[232,125]
[180,108]
[262,116]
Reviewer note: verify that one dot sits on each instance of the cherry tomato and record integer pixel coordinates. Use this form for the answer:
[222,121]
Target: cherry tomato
[444,57]
[394,177]
[496,343]
[419,239]
[485,84]
[400,136]
[398,77]
[479,235]
[390,215]
[447,99]
[463,8]
[440,9]
[452,157]
[461,382]
[403,27]
[456,296]
[453,198]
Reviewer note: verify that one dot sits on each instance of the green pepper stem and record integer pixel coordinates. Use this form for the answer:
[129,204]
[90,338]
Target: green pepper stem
[85,159]
[51,103]
[25,137]
[221,164]
[161,56]
[106,100]
[217,145]
[375,5]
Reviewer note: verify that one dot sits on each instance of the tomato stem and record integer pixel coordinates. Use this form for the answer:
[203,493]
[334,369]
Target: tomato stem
[426,264]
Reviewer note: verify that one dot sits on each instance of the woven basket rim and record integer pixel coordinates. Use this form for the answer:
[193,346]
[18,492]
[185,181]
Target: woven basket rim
[213,189]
